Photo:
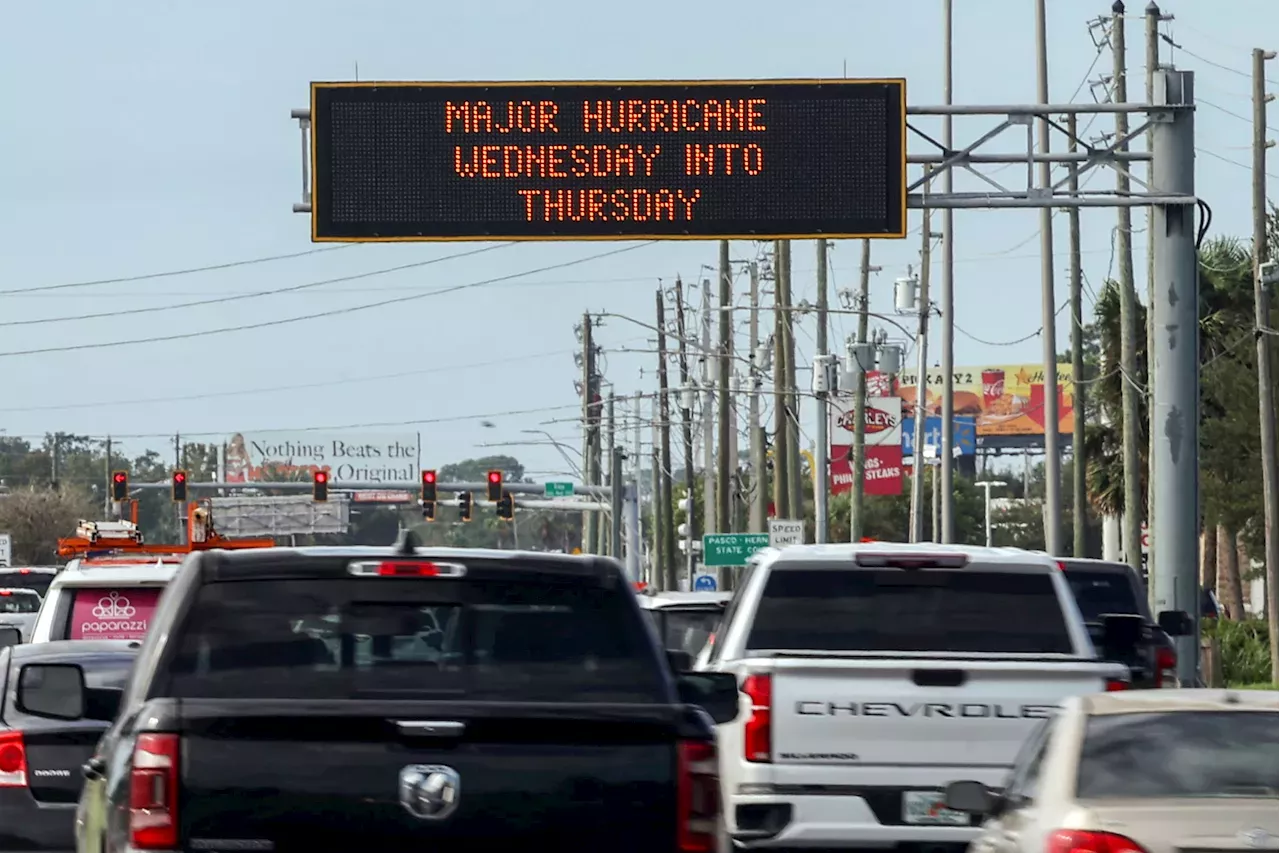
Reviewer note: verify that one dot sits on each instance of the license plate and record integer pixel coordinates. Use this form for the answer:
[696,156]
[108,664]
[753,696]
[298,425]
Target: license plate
[926,808]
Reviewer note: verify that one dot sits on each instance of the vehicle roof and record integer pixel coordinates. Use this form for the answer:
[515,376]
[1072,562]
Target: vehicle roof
[659,600]
[78,573]
[584,564]
[1180,699]
[73,649]
[1009,559]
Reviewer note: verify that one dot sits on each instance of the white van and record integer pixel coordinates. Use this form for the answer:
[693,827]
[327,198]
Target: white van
[103,598]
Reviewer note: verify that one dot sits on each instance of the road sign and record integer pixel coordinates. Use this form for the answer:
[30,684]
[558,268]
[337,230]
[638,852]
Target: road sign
[608,160]
[731,549]
[704,583]
[558,490]
[784,532]
[6,550]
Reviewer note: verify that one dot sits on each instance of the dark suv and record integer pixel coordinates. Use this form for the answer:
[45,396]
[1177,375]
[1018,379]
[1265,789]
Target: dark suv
[1103,588]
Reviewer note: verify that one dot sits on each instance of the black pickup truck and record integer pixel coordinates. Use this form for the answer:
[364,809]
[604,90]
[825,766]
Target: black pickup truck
[1103,588]
[406,699]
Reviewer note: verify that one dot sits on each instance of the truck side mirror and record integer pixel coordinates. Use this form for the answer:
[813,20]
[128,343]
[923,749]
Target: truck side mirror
[714,692]
[1176,623]
[1121,634]
[9,636]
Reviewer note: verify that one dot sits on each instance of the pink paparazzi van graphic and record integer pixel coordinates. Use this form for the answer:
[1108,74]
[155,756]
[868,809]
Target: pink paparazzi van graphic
[112,614]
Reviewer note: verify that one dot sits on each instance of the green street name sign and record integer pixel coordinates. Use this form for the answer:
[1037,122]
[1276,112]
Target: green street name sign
[559,490]
[731,549]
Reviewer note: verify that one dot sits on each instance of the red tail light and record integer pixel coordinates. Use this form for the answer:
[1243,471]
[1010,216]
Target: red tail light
[757,733]
[698,797]
[1166,667]
[153,793]
[13,760]
[1084,841]
[1113,686]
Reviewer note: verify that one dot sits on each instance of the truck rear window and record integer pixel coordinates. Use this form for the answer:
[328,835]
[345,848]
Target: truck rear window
[891,610]
[26,579]
[1098,593]
[111,613]
[19,601]
[1179,754]
[414,638]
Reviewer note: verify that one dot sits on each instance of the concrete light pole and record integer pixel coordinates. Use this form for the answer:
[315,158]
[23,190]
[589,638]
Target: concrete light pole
[986,486]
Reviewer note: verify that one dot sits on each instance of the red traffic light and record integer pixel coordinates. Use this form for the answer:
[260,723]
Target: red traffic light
[495,476]
[120,477]
[180,477]
[322,476]
[428,476]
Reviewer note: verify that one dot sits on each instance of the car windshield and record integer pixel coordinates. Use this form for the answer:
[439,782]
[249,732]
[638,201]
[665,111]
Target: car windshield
[1179,754]
[891,610]
[1098,593]
[19,601]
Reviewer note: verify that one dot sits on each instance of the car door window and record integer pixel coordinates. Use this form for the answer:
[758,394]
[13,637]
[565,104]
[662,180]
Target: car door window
[1024,782]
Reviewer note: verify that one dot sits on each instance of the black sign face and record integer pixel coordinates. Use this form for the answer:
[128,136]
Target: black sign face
[608,160]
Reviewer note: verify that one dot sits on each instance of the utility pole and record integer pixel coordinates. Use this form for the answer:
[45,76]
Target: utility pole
[795,492]
[946,462]
[707,362]
[859,461]
[759,472]
[1152,21]
[1048,308]
[1262,319]
[781,449]
[588,431]
[611,441]
[822,453]
[1078,496]
[55,460]
[922,384]
[1133,498]
[666,558]
[686,415]
[1176,394]
[106,481]
[661,574]
[724,412]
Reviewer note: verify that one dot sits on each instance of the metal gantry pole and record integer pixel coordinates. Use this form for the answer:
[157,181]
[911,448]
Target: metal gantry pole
[948,305]
[1049,337]
[1176,395]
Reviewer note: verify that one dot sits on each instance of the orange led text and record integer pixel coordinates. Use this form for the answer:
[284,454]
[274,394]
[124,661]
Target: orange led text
[619,205]
[554,161]
[511,117]
[655,116]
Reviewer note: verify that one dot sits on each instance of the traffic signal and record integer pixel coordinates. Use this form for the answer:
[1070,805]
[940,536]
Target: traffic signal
[429,511]
[495,486]
[320,486]
[119,486]
[180,486]
[506,507]
[464,506]
[428,487]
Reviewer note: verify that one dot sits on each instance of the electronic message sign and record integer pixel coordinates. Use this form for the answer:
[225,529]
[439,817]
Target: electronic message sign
[750,160]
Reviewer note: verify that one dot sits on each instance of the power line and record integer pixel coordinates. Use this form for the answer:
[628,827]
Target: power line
[1231,113]
[334,313]
[1215,155]
[1218,65]
[188,271]
[256,294]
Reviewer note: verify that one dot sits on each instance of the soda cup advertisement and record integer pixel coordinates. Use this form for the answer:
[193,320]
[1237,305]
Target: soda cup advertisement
[1003,399]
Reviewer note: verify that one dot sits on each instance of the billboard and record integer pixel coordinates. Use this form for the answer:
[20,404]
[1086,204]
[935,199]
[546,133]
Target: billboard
[364,457]
[608,160]
[963,433]
[882,473]
[1003,399]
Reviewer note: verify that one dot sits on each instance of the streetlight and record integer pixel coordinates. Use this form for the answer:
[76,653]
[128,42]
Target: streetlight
[986,487]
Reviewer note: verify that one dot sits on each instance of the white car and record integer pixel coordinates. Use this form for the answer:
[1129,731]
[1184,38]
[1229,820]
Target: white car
[684,620]
[18,607]
[874,674]
[103,598]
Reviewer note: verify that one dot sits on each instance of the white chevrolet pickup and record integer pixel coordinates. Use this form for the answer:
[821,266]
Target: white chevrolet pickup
[875,674]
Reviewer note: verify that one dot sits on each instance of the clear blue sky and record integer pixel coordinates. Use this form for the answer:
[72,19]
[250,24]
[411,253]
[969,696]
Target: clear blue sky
[151,136]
